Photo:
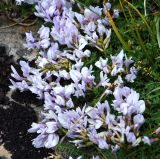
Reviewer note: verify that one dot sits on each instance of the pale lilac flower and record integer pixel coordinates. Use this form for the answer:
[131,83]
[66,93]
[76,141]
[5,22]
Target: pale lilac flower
[53,52]
[68,119]
[118,94]
[102,30]
[133,100]
[117,62]
[25,68]
[47,137]
[78,65]
[39,141]
[115,13]
[87,76]
[37,128]
[70,103]
[15,74]
[75,75]
[52,127]
[48,101]
[93,13]
[131,138]
[99,139]
[81,54]
[131,104]
[58,90]
[104,81]
[82,42]
[59,100]
[79,17]
[41,62]
[91,27]
[128,61]
[51,141]
[138,120]
[65,31]
[102,144]
[97,115]
[146,140]
[22,86]
[64,74]
[102,64]
[80,88]
[48,9]
[132,75]
[44,32]
[119,81]
[69,90]
[108,5]
[94,38]
[44,43]
[30,41]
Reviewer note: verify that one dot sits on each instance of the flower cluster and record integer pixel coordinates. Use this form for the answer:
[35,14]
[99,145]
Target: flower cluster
[61,78]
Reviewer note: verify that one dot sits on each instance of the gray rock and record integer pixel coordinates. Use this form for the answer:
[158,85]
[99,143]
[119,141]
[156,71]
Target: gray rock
[13,38]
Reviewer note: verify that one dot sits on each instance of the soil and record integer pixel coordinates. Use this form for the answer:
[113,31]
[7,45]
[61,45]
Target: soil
[16,117]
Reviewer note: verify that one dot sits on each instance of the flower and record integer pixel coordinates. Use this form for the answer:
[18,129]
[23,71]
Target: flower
[47,137]
[117,62]
[48,9]
[104,81]
[31,42]
[25,68]
[87,77]
[138,120]
[44,32]
[102,64]
[65,31]
[132,75]
[53,52]
[75,75]
[99,139]
[15,74]
[127,101]
[146,140]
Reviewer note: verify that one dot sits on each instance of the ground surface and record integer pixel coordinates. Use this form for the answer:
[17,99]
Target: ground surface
[16,113]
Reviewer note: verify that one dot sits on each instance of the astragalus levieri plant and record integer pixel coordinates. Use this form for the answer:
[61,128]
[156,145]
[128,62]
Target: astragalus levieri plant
[61,78]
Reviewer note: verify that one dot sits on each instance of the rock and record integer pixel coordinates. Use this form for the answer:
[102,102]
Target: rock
[13,38]
[4,49]
[16,115]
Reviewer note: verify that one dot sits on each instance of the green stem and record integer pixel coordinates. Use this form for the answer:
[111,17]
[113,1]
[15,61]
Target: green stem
[138,37]
[142,17]
[104,157]
[116,31]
